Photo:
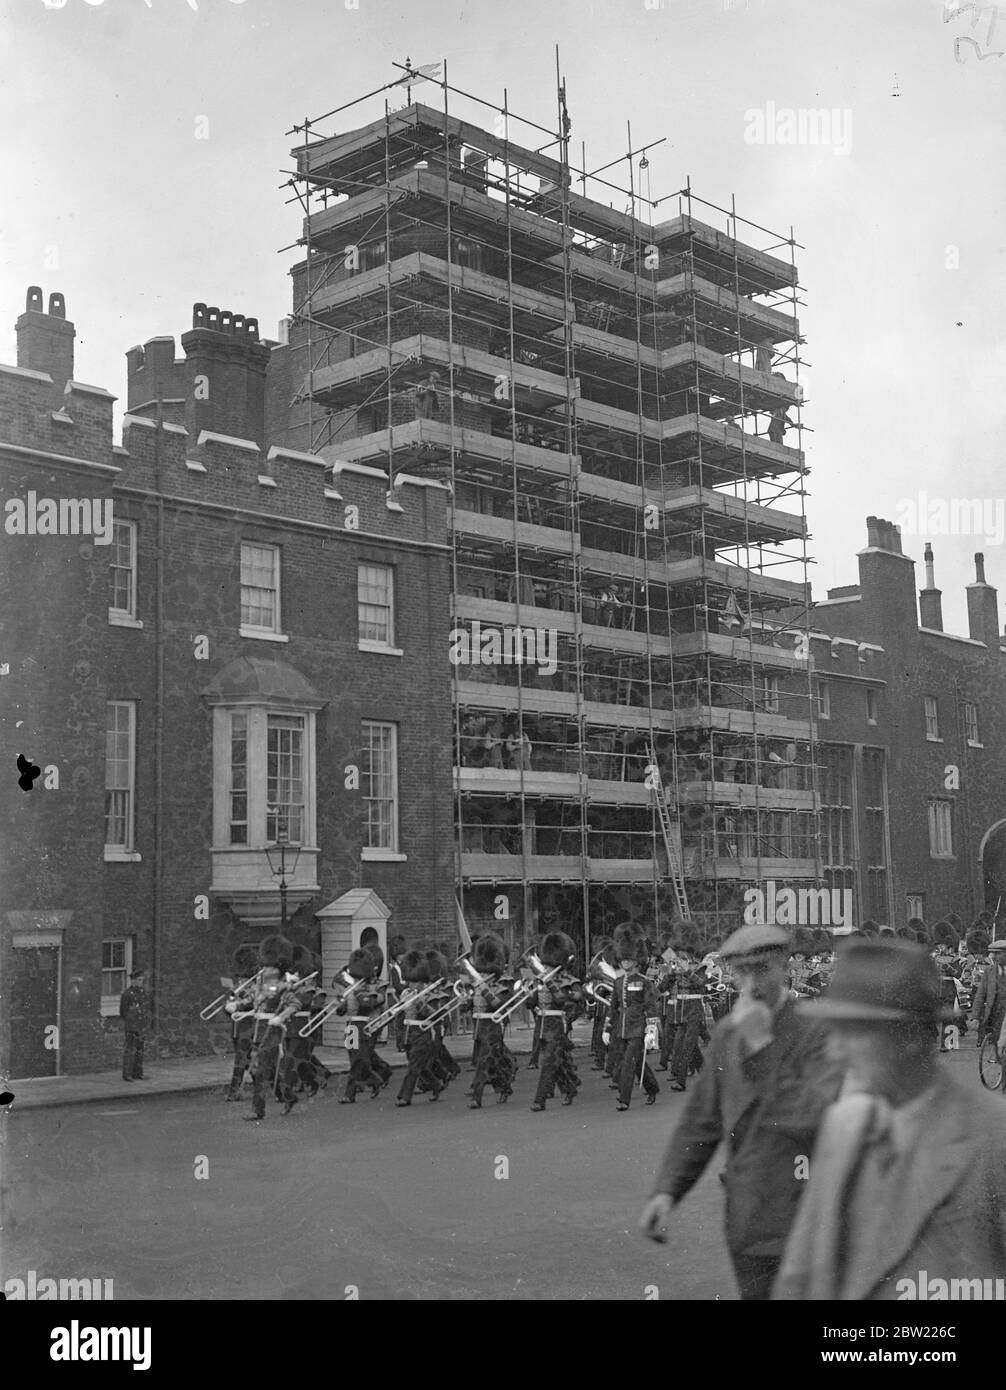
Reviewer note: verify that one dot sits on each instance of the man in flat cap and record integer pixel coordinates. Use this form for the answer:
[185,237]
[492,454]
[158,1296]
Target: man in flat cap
[766,1082]
[907,1190]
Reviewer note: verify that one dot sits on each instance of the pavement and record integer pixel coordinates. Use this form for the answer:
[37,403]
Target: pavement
[178,1198]
[179,1075]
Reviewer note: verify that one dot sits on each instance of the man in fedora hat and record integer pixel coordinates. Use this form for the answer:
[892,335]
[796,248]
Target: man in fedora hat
[765,1084]
[907,1189]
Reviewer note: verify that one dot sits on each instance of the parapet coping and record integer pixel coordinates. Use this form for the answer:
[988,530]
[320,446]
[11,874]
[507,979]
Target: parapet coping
[25,371]
[952,636]
[208,436]
[843,598]
[89,390]
[339,466]
[879,550]
[131,419]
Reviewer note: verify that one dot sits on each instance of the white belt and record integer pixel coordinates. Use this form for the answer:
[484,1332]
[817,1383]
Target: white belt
[552,1013]
[481,1015]
[415,1022]
[360,1018]
[685,996]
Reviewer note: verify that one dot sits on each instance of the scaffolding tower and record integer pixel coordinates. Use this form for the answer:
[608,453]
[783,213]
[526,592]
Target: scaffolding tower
[615,402]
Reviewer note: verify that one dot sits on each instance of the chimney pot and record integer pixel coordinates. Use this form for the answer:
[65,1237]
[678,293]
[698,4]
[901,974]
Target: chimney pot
[57,305]
[33,300]
[979,567]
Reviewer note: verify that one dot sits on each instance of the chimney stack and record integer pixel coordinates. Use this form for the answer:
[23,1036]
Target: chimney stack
[886,574]
[224,350]
[983,608]
[931,598]
[45,340]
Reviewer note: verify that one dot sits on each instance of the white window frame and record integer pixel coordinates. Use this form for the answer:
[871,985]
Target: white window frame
[125,617]
[971,724]
[393,851]
[872,707]
[915,904]
[941,828]
[823,700]
[257,763]
[275,632]
[123,853]
[770,694]
[931,713]
[374,644]
[110,1002]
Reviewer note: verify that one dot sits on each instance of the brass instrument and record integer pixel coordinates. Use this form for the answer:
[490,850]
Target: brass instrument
[475,979]
[408,998]
[349,988]
[601,980]
[523,992]
[462,993]
[238,992]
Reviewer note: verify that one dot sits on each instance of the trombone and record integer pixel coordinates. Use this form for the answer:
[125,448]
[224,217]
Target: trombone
[350,986]
[462,993]
[236,992]
[408,998]
[523,992]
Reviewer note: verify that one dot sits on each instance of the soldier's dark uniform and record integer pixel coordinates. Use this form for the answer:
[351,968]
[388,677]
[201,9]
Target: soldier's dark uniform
[421,1044]
[133,1010]
[557,1000]
[634,1007]
[496,1065]
[366,1068]
[684,1022]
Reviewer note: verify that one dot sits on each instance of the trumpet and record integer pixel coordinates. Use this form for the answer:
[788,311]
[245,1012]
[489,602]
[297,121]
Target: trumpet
[238,992]
[408,998]
[349,988]
[462,993]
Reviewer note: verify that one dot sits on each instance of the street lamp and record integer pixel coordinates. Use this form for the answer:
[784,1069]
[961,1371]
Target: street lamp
[276,854]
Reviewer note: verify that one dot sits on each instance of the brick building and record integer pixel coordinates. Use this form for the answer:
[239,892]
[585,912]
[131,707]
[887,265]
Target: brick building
[910,725]
[252,654]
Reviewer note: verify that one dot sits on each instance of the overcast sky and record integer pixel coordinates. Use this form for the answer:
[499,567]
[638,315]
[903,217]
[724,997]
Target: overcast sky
[110,197]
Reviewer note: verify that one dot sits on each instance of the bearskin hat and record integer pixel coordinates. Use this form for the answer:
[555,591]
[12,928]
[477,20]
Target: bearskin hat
[489,955]
[376,954]
[437,964]
[977,942]
[943,933]
[305,962]
[277,951]
[361,965]
[630,943]
[244,962]
[415,967]
[556,948]
[397,946]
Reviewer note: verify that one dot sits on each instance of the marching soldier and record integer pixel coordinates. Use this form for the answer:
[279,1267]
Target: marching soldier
[366,1068]
[422,1046]
[598,1046]
[240,1008]
[396,983]
[634,1014]
[275,959]
[684,1019]
[561,995]
[496,1065]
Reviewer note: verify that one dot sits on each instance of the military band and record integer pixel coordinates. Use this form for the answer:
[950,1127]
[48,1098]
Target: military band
[647,1003]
